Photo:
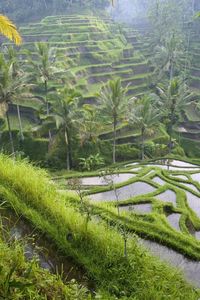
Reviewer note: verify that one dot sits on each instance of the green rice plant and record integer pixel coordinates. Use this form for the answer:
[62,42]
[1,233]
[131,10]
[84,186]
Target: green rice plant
[100,251]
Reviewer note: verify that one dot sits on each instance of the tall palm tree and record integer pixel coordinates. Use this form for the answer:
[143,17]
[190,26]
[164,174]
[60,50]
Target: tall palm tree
[12,90]
[65,113]
[90,124]
[167,57]
[17,71]
[114,104]
[173,101]
[145,115]
[44,68]
[9,30]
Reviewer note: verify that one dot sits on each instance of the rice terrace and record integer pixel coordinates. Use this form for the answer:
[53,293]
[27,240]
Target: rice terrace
[100,150]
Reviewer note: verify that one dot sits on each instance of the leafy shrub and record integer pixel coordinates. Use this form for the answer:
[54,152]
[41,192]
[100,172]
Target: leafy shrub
[178,150]
[92,162]
[126,152]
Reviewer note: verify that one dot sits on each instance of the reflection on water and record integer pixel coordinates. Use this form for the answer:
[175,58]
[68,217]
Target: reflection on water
[36,245]
[193,202]
[173,219]
[190,268]
[158,180]
[106,180]
[196,177]
[167,196]
[123,193]
[142,208]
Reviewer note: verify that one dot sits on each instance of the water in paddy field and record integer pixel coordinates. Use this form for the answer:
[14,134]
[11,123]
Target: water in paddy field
[38,246]
[176,163]
[189,268]
[158,180]
[190,186]
[142,208]
[196,177]
[123,193]
[173,220]
[167,196]
[193,202]
[176,176]
[106,180]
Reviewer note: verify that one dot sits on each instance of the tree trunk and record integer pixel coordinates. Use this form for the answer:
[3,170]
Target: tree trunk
[170,142]
[20,123]
[10,134]
[47,105]
[114,138]
[171,71]
[117,198]
[142,146]
[125,246]
[68,152]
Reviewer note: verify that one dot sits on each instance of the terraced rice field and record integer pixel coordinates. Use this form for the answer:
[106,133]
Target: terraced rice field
[159,204]
[92,50]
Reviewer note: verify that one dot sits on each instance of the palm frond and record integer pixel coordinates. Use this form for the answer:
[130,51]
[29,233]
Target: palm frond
[8,29]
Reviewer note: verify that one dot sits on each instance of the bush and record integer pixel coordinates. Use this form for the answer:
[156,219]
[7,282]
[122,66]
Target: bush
[126,152]
[35,149]
[92,162]
[178,150]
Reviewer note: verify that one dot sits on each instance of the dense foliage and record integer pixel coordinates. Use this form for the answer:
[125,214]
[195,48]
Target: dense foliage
[31,10]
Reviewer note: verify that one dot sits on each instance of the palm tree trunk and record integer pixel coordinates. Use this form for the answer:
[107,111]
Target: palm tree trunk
[142,148]
[125,247]
[171,71]
[193,7]
[47,105]
[170,142]
[10,134]
[20,123]
[67,145]
[114,138]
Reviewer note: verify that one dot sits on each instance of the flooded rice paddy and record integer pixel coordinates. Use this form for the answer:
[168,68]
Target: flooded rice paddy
[123,193]
[142,208]
[106,180]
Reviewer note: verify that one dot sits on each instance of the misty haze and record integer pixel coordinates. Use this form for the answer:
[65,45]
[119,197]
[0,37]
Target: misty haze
[100,149]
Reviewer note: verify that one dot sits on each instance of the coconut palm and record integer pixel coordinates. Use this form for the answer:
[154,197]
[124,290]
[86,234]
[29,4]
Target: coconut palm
[9,30]
[173,101]
[16,72]
[114,104]
[145,115]
[44,69]
[90,125]
[13,89]
[65,113]
[167,57]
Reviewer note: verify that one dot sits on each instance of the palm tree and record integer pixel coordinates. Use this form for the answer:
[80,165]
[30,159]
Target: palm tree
[145,115]
[90,125]
[114,105]
[9,30]
[173,100]
[65,114]
[17,72]
[167,58]
[44,68]
[13,89]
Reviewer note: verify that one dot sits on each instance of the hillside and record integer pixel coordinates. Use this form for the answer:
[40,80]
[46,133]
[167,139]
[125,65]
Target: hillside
[94,238]
[93,50]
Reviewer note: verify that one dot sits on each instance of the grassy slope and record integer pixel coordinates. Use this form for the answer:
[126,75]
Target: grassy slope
[154,226]
[21,279]
[99,248]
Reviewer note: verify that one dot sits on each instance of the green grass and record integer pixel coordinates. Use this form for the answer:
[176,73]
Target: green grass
[97,247]
[22,279]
